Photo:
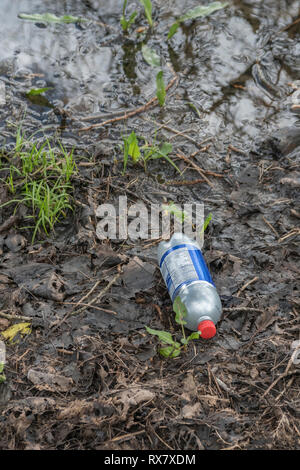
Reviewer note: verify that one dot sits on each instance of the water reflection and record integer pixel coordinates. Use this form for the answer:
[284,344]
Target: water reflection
[234,66]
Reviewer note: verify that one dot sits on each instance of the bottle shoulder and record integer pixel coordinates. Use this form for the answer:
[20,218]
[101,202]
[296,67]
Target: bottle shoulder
[176,240]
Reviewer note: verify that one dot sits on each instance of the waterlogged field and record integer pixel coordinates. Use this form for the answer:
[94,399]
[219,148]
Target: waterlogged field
[165,103]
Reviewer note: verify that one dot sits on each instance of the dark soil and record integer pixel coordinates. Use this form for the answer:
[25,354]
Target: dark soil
[88,376]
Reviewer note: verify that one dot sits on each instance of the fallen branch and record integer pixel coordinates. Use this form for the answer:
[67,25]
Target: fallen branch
[94,306]
[196,167]
[246,285]
[174,131]
[183,183]
[243,309]
[8,316]
[124,116]
[98,297]
[284,374]
[289,25]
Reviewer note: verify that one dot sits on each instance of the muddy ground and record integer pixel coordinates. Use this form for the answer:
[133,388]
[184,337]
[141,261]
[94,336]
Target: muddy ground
[88,376]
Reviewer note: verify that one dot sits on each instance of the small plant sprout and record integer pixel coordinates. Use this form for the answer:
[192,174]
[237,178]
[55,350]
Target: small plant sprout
[171,208]
[130,149]
[174,347]
[206,222]
[124,22]
[160,88]
[146,152]
[147,4]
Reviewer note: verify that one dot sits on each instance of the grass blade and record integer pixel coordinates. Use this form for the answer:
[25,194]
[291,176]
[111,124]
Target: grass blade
[160,88]
[173,29]
[202,11]
[206,222]
[147,4]
[197,12]
[50,18]
[37,91]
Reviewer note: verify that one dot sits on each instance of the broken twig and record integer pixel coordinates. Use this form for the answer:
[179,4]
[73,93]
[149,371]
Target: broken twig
[124,116]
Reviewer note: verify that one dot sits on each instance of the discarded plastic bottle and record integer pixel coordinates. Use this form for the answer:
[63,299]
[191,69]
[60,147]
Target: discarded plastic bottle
[186,275]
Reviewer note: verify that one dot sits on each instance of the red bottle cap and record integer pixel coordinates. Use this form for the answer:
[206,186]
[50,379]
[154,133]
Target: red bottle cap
[207,329]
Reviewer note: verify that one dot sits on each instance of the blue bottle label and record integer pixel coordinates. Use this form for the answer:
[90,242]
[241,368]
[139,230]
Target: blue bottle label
[181,265]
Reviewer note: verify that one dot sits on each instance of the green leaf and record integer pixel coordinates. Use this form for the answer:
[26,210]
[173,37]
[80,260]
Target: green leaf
[164,336]
[132,18]
[50,18]
[162,152]
[206,222]
[173,29]
[195,335]
[126,23]
[194,108]
[171,208]
[202,11]
[37,91]
[133,149]
[150,56]
[124,7]
[147,4]
[169,351]
[172,163]
[160,88]
[180,310]
[166,148]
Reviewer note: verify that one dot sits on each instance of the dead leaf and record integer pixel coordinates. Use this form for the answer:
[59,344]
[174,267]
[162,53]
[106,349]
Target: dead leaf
[254,373]
[191,411]
[48,381]
[12,331]
[133,397]
[189,385]
[3,324]
[266,317]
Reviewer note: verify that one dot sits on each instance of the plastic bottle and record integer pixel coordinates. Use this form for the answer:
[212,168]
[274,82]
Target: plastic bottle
[186,275]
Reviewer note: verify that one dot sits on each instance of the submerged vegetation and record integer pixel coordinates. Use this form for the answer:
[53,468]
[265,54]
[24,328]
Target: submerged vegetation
[50,18]
[194,13]
[40,175]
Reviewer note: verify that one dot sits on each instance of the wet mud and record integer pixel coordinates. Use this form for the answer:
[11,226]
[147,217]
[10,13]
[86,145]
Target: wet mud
[88,376]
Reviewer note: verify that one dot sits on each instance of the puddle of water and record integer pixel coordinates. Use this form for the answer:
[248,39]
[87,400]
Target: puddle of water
[92,69]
